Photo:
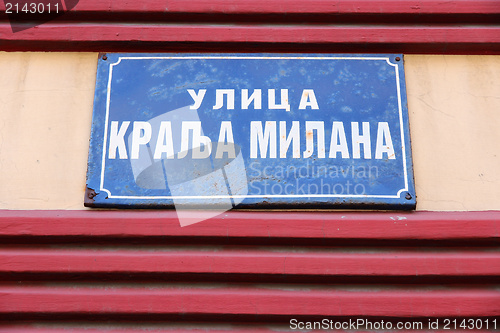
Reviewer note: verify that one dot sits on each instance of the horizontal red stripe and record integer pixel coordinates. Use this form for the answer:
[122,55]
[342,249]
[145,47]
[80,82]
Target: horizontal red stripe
[39,328]
[293,6]
[459,26]
[251,262]
[249,301]
[252,33]
[105,329]
[295,225]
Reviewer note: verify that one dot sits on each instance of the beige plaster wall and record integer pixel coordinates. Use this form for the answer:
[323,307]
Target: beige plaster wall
[46,108]
[454,106]
[45,115]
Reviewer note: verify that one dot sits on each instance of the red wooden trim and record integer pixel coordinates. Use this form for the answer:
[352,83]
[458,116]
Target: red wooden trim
[249,301]
[406,26]
[296,225]
[251,262]
[37,329]
[290,6]
[12,328]
[294,6]
[466,39]
[253,33]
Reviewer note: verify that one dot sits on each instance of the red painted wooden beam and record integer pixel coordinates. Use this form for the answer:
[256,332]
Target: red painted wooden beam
[251,262]
[290,6]
[349,38]
[408,26]
[278,225]
[295,6]
[249,301]
[254,33]
[41,328]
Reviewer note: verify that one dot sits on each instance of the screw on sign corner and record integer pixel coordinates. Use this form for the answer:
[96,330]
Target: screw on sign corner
[26,14]
[90,194]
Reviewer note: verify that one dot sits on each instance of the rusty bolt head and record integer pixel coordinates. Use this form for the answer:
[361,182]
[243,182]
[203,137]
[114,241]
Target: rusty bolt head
[104,57]
[408,196]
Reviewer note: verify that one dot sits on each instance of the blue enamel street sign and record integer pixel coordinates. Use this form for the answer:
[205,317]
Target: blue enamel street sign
[250,130]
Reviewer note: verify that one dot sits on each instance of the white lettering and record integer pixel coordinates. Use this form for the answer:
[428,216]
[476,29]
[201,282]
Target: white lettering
[141,134]
[256,97]
[263,138]
[308,99]
[319,127]
[117,140]
[272,100]
[198,140]
[164,143]
[338,132]
[197,98]
[383,132]
[225,135]
[219,99]
[358,140]
[293,137]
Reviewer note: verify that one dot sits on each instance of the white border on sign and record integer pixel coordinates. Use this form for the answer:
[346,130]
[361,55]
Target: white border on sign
[403,146]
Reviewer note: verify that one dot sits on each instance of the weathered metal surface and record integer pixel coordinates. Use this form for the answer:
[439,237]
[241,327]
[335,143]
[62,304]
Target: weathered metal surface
[250,131]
